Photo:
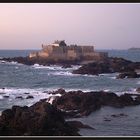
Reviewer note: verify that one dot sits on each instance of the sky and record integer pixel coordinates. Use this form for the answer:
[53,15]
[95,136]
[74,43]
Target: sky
[106,26]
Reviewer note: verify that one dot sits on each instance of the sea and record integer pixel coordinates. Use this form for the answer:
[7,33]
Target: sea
[17,81]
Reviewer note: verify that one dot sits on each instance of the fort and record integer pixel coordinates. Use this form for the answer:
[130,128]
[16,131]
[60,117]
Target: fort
[59,50]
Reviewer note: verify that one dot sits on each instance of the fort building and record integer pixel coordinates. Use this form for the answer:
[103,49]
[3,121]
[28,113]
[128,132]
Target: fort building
[59,50]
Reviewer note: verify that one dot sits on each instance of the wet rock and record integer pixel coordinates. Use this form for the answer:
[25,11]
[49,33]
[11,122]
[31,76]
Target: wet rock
[59,91]
[26,93]
[131,74]
[119,115]
[19,97]
[41,119]
[126,100]
[108,66]
[6,96]
[67,66]
[107,120]
[93,69]
[78,103]
[138,90]
[83,103]
[29,97]
[45,92]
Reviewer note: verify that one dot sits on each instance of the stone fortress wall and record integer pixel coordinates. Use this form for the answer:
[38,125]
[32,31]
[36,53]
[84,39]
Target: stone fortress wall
[60,51]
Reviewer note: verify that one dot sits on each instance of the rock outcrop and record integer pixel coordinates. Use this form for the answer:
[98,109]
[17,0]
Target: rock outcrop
[43,118]
[78,103]
[93,69]
[39,119]
[44,62]
[130,74]
[109,66]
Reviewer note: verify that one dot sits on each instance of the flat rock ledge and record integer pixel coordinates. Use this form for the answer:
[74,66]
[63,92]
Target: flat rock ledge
[79,104]
[112,65]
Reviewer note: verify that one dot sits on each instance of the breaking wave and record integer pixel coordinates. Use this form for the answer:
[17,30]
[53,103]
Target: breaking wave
[54,67]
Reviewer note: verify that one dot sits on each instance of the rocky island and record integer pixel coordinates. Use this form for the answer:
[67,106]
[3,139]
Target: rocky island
[60,53]
[48,116]
[92,62]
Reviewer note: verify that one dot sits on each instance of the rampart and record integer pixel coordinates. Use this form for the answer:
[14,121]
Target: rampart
[60,51]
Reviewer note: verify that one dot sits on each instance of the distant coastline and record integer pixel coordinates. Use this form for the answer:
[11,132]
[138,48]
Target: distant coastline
[134,49]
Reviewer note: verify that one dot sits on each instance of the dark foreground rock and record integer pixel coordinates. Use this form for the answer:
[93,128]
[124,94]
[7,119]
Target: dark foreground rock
[39,119]
[78,103]
[43,118]
[110,65]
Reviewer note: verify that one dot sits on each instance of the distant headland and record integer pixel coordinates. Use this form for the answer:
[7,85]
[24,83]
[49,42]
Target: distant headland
[134,48]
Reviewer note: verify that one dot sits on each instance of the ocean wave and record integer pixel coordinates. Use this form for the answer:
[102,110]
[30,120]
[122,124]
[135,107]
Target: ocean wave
[54,67]
[138,82]
[43,93]
[10,63]
[109,75]
[87,75]
[38,94]
[104,74]
[131,91]
[2,61]
[1,97]
[67,73]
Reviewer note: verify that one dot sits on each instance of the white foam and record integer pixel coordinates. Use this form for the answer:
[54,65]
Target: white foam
[134,97]
[1,97]
[67,73]
[138,82]
[10,63]
[41,93]
[104,74]
[88,75]
[76,89]
[54,67]
[113,77]
[132,91]
[13,62]
[106,90]
[52,98]
[2,61]
[13,92]
[36,65]
[62,73]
